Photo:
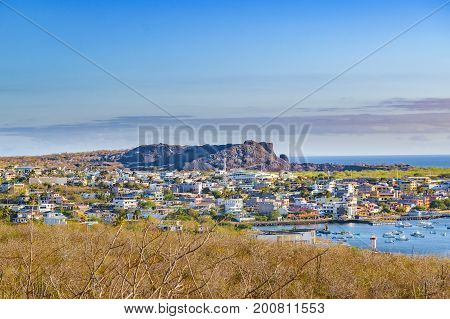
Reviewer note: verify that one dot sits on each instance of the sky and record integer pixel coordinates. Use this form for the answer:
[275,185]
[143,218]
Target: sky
[222,63]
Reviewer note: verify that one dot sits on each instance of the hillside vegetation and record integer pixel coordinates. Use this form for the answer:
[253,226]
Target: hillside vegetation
[138,261]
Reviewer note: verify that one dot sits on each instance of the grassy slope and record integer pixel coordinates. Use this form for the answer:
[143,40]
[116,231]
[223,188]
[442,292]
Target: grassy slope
[418,171]
[137,261]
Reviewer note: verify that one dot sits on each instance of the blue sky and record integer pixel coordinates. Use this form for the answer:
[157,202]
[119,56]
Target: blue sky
[241,61]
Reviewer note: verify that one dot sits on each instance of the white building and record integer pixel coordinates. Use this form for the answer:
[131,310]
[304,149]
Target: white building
[47,180]
[43,208]
[53,218]
[232,205]
[125,203]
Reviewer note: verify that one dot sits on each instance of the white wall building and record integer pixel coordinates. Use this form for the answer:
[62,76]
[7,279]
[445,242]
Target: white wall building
[232,205]
[53,218]
[125,203]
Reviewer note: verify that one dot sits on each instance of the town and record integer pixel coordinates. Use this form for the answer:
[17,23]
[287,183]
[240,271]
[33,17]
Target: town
[99,194]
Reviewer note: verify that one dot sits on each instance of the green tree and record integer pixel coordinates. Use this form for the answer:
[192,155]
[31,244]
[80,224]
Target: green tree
[438,204]
[5,214]
[148,204]
[274,215]
[168,194]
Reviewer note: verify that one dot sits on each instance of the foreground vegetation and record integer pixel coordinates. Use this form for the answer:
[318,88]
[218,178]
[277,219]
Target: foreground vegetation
[138,261]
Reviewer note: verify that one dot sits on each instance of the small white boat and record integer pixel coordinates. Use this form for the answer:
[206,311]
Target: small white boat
[389,241]
[406,224]
[418,234]
[402,238]
[397,232]
[389,235]
[432,232]
[423,224]
[399,224]
[444,234]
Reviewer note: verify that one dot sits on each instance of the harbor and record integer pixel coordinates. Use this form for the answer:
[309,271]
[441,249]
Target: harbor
[412,237]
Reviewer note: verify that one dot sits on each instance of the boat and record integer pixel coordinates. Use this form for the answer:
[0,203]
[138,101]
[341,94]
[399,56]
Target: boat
[389,235]
[402,238]
[399,224]
[406,224]
[356,234]
[324,231]
[444,234]
[432,232]
[418,234]
[389,241]
[397,232]
[422,223]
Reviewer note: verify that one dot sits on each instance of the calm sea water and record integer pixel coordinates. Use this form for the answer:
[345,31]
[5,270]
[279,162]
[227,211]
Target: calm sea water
[414,160]
[432,244]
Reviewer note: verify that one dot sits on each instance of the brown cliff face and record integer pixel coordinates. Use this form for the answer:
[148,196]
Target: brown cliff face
[249,155]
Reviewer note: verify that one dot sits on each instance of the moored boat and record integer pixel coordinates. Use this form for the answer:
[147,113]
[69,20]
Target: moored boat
[418,234]
[402,238]
[406,224]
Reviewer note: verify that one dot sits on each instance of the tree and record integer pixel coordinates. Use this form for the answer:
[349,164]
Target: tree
[400,210]
[5,214]
[137,213]
[385,208]
[274,215]
[148,204]
[438,204]
[168,194]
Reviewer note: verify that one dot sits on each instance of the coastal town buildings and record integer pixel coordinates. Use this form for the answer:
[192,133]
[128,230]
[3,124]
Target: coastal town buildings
[55,195]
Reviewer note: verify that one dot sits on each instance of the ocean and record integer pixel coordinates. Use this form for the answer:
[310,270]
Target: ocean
[413,160]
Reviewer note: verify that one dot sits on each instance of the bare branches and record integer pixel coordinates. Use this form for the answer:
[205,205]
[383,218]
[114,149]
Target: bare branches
[140,261]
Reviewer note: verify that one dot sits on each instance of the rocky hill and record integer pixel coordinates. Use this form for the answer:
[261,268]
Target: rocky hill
[249,155]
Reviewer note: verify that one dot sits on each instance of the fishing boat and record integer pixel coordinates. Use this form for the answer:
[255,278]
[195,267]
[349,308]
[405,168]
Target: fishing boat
[418,234]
